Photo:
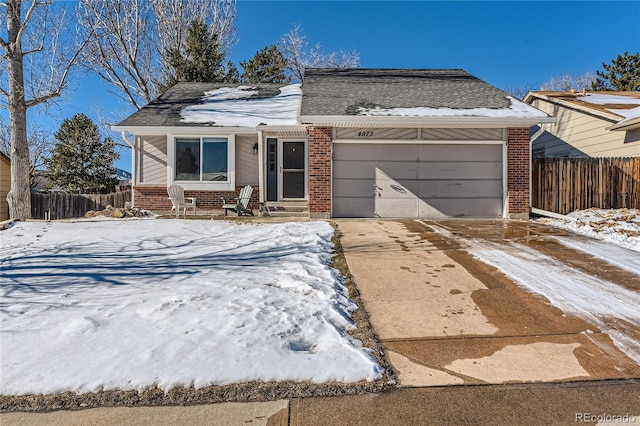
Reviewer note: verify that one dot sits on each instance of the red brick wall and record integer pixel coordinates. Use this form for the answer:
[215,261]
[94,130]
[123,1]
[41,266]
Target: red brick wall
[319,171]
[518,164]
[156,198]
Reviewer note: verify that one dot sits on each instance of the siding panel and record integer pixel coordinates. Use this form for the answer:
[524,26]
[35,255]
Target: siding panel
[462,134]
[153,159]
[246,161]
[382,133]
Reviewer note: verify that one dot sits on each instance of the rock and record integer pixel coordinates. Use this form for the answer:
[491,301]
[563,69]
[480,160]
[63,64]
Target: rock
[118,213]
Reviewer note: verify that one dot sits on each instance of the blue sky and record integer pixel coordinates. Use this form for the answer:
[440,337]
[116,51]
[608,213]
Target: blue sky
[506,43]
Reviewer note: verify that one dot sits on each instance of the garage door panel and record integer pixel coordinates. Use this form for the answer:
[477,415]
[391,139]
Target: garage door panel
[459,188]
[369,170]
[456,169]
[388,152]
[396,170]
[457,181]
[353,207]
[353,187]
[396,207]
[462,153]
[396,189]
[457,207]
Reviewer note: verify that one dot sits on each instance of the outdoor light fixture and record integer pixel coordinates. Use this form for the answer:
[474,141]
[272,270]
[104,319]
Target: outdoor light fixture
[255,149]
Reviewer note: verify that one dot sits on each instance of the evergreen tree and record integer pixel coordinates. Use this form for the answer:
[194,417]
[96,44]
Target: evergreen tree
[622,75]
[81,160]
[267,66]
[202,60]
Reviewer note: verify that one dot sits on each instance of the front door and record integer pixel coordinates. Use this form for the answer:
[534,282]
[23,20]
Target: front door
[272,169]
[292,171]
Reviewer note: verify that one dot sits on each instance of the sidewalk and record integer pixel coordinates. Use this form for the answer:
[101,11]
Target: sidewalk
[530,404]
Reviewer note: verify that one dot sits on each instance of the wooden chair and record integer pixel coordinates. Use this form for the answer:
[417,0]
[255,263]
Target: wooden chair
[242,205]
[176,195]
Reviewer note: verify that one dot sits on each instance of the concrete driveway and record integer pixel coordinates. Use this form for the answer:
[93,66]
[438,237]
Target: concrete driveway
[445,317]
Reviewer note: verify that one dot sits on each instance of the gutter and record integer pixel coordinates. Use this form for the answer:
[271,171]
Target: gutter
[424,122]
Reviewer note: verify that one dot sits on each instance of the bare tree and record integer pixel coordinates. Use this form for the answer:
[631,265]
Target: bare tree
[567,82]
[131,39]
[40,144]
[295,48]
[38,55]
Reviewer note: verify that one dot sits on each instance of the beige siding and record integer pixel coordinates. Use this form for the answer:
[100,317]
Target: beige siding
[425,134]
[577,134]
[246,161]
[5,187]
[153,159]
[348,133]
[462,134]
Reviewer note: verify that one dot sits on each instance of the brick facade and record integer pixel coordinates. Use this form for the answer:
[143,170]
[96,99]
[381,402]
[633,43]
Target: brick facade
[319,171]
[156,198]
[518,170]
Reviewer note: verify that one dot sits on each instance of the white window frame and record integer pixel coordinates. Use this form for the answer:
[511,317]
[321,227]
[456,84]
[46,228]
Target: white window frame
[191,185]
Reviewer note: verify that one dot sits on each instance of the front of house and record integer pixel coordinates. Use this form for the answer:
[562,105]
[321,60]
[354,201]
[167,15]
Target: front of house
[346,143]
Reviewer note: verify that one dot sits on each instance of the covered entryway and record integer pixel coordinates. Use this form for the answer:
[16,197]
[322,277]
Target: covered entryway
[286,169]
[431,180]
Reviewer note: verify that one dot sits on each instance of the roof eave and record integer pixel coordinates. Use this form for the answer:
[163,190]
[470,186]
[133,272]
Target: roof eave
[426,122]
[195,130]
[572,105]
[626,125]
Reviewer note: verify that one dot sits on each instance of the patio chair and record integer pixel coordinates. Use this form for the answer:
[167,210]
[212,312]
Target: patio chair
[176,195]
[243,204]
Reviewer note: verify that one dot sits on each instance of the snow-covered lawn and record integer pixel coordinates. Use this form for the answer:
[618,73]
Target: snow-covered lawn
[91,306]
[619,226]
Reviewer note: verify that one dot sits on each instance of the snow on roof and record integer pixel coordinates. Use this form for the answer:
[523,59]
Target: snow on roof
[626,113]
[516,109]
[244,107]
[609,99]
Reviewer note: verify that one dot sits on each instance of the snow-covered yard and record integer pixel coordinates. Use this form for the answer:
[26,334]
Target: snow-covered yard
[619,227]
[91,306]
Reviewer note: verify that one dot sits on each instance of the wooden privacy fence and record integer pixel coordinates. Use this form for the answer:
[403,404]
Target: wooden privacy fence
[562,185]
[62,205]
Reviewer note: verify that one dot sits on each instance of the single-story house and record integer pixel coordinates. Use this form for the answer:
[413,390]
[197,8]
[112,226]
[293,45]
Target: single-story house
[5,185]
[590,124]
[346,143]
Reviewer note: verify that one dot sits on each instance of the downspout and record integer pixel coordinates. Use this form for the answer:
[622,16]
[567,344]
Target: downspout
[131,145]
[535,136]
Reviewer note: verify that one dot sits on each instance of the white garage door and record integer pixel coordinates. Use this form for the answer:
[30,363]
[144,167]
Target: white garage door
[417,180]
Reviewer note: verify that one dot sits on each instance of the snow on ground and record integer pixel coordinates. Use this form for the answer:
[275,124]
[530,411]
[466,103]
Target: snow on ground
[572,291]
[618,226]
[241,106]
[516,109]
[132,304]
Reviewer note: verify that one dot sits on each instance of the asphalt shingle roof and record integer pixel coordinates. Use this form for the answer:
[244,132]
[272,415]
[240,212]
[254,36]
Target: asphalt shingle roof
[165,110]
[340,92]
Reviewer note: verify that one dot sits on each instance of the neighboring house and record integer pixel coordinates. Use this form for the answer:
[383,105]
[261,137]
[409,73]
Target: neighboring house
[349,142]
[590,124]
[5,185]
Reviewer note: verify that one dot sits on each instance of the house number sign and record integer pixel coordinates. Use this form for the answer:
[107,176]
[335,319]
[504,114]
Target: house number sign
[365,133]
